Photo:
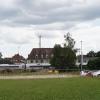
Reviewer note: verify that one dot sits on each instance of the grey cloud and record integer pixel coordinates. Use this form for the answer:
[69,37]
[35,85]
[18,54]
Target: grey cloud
[57,14]
[47,12]
[8,13]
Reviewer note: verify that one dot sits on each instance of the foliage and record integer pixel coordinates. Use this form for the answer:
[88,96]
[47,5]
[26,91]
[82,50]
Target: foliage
[91,54]
[94,64]
[69,41]
[51,89]
[5,61]
[56,59]
[0,55]
[64,57]
[98,54]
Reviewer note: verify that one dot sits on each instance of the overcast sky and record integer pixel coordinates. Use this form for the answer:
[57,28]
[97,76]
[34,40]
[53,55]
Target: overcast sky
[22,21]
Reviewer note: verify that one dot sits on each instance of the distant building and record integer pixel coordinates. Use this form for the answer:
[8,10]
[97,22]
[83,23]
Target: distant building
[17,59]
[85,59]
[40,56]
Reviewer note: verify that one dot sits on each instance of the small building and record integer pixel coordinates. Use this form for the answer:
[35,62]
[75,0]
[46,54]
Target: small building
[40,56]
[85,59]
[17,59]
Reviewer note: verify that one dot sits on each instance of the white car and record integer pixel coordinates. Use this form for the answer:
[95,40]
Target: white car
[83,73]
[86,73]
[96,73]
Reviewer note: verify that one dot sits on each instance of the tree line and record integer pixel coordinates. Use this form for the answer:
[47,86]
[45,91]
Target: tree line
[94,64]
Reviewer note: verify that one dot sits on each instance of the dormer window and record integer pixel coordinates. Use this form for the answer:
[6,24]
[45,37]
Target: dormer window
[36,56]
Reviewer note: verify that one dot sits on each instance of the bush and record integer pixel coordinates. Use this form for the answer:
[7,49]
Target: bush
[94,64]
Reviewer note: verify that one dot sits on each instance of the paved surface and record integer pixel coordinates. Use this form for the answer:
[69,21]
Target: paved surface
[38,76]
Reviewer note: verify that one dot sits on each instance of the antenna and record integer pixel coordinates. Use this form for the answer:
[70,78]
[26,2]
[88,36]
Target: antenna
[18,49]
[40,41]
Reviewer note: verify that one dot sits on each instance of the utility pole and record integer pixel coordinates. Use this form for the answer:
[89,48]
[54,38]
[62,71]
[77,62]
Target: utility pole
[40,48]
[81,56]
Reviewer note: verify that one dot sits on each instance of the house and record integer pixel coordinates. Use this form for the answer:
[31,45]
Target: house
[40,56]
[85,59]
[17,59]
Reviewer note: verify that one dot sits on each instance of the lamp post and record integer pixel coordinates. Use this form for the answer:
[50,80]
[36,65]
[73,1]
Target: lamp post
[40,49]
[81,56]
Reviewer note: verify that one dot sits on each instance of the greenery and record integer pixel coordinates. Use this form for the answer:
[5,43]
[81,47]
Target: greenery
[51,89]
[5,61]
[94,64]
[98,54]
[93,54]
[64,57]
[0,55]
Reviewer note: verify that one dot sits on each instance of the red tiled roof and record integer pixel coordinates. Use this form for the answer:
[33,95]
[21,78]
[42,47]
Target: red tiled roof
[18,57]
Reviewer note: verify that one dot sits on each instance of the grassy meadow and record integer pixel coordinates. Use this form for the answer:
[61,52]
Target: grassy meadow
[51,89]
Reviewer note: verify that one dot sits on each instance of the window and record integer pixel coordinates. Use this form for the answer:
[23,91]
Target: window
[36,56]
[31,61]
[36,61]
[46,56]
[41,60]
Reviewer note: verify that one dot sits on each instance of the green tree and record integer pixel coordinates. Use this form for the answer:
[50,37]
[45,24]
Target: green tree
[64,57]
[55,61]
[91,54]
[5,61]
[0,55]
[69,41]
[94,64]
[98,54]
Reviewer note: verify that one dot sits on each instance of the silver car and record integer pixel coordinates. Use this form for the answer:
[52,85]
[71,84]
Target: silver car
[96,73]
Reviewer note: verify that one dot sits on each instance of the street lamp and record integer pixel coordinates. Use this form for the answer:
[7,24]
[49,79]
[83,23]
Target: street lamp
[81,56]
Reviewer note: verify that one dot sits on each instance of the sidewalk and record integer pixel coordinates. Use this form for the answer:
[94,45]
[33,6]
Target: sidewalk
[38,76]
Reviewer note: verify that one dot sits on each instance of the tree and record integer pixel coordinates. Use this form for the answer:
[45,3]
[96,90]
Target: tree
[94,64]
[69,57]
[69,41]
[64,57]
[0,55]
[5,61]
[91,54]
[69,51]
[55,61]
[98,54]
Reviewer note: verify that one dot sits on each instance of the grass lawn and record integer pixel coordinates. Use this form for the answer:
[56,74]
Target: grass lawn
[51,89]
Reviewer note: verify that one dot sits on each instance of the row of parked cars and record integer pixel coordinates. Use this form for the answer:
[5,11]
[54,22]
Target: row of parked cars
[90,73]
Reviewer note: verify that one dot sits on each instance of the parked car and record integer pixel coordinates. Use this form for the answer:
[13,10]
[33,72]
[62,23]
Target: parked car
[83,73]
[96,73]
[86,73]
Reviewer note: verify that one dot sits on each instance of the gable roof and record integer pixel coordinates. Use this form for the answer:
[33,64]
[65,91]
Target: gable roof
[40,52]
[18,57]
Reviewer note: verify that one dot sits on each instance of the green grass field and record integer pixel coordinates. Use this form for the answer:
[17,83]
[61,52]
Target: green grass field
[51,89]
